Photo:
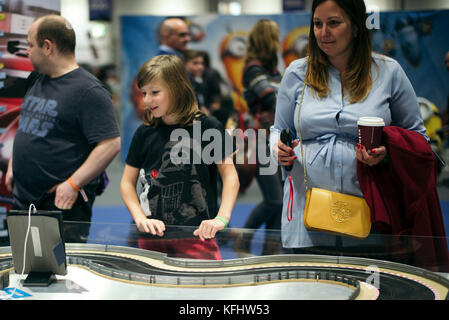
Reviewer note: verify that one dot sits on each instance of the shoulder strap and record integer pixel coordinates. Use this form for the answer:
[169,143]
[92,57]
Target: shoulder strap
[250,64]
[306,185]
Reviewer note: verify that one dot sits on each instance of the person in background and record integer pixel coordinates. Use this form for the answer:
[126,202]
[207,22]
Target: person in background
[216,89]
[174,36]
[194,62]
[261,79]
[67,134]
[176,193]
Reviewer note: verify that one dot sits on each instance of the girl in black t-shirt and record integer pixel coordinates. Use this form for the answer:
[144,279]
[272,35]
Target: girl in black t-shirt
[178,189]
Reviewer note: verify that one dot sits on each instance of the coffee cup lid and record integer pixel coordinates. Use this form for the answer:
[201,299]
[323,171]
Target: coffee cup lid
[371,121]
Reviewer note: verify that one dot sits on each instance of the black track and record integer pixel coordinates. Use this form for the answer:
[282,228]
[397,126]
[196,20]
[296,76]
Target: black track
[391,287]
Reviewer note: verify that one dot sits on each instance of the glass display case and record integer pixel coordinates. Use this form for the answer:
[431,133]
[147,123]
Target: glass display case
[116,261]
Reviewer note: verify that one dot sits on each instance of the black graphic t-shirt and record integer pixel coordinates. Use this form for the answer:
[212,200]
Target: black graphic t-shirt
[179,166]
[61,121]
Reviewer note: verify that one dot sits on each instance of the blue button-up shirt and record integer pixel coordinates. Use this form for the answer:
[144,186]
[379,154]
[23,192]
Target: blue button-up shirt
[329,132]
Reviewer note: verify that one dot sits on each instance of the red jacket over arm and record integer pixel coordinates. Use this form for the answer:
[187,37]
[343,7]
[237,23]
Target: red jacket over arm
[403,196]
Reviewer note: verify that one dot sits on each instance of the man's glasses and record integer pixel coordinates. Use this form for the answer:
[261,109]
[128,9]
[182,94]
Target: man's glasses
[183,34]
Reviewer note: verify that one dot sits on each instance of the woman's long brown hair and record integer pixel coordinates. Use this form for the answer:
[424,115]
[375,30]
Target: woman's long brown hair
[263,43]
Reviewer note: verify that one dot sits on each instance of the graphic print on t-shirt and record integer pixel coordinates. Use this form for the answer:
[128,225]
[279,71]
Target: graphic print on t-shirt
[38,116]
[143,197]
[175,193]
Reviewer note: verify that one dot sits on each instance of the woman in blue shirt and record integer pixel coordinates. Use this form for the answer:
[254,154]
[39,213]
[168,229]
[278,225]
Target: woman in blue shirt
[342,80]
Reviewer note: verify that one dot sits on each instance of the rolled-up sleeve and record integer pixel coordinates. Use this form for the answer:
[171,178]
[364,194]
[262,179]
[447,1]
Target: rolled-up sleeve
[291,85]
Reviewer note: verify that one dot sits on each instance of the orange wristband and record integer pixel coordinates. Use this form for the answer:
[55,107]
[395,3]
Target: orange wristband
[74,186]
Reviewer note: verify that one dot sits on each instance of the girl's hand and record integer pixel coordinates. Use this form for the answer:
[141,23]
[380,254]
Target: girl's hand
[371,158]
[208,229]
[284,153]
[153,226]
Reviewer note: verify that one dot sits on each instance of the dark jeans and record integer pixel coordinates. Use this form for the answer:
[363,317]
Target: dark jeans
[269,211]
[76,220]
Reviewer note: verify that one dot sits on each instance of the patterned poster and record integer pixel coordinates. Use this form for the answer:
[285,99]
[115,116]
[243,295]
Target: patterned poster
[418,40]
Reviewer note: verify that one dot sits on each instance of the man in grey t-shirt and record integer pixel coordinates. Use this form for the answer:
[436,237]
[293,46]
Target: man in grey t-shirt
[67,134]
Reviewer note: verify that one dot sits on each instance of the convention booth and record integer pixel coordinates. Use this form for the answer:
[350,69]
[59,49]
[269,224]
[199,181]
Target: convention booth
[115,261]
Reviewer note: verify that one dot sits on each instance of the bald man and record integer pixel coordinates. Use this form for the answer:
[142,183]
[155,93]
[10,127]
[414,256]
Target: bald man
[67,134]
[173,36]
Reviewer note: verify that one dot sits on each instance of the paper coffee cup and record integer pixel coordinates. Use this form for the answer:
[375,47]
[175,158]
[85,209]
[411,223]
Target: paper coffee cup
[370,131]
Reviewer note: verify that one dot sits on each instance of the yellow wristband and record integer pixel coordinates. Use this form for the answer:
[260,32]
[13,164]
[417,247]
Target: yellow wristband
[222,220]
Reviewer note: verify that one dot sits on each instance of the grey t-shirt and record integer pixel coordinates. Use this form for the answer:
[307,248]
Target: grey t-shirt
[61,121]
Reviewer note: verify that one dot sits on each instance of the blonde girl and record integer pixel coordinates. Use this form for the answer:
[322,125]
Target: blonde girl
[176,193]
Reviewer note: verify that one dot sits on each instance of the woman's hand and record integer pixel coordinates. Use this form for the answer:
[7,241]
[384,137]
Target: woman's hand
[208,229]
[153,226]
[371,157]
[284,153]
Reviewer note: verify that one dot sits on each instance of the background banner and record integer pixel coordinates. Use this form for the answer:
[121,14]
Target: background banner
[418,40]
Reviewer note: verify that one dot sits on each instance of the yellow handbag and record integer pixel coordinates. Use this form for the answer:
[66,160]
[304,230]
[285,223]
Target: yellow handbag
[333,212]
[337,213]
